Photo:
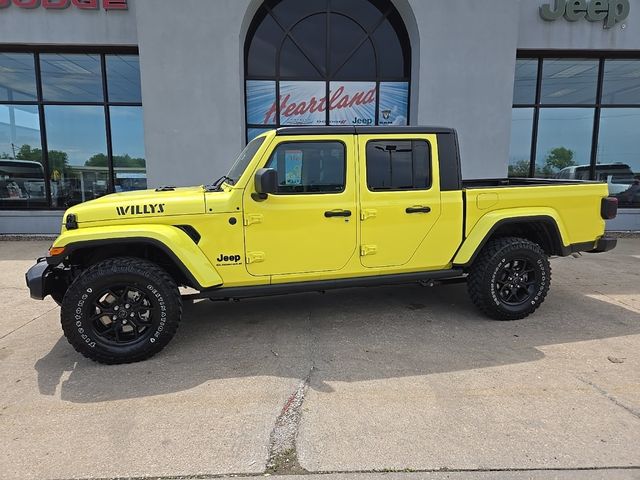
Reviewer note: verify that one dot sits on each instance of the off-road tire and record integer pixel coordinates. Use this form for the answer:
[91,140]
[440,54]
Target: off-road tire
[484,280]
[149,290]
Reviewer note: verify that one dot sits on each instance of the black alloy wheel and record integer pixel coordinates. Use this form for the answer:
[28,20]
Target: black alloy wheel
[121,310]
[510,278]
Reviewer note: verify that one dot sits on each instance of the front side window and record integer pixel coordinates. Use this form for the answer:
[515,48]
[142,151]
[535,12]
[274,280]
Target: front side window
[309,167]
[243,160]
[398,165]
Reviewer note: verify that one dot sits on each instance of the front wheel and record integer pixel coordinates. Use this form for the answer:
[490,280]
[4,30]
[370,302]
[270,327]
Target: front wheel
[121,310]
[510,278]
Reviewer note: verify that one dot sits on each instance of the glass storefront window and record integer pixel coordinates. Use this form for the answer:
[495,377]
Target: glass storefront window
[393,103]
[524,86]
[562,117]
[77,151]
[22,179]
[254,132]
[354,103]
[17,77]
[76,166]
[621,82]
[520,148]
[123,78]
[322,62]
[71,77]
[564,140]
[569,81]
[127,137]
[619,154]
[261,102]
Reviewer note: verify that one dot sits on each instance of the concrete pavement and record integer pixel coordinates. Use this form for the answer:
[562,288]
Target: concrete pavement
[394,378]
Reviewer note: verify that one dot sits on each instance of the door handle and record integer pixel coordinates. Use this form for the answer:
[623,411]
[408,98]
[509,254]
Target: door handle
[337,213]
[418,209]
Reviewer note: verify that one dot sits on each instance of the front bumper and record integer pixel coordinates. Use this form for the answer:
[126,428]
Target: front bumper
[39,279]
[604,244]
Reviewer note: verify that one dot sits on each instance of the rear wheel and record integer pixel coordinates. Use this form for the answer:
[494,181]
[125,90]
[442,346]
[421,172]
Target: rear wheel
[121,310]
[510,278]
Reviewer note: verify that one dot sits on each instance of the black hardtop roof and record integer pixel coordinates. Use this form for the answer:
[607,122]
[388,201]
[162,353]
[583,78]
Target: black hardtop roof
[353,130]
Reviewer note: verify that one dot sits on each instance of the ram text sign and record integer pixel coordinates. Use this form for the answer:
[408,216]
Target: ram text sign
[609,11]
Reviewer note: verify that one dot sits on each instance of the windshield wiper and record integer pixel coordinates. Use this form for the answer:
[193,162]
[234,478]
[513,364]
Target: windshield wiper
[215,186]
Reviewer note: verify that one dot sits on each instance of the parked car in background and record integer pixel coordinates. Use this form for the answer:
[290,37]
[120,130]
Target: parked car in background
[21,182]
[623,183]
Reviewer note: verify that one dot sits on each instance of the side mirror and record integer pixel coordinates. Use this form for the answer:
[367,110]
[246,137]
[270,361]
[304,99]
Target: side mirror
[266,182]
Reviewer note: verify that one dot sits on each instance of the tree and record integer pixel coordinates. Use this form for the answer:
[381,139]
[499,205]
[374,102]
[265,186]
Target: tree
[558,158]
[519,169]
[57,160]
[122,161]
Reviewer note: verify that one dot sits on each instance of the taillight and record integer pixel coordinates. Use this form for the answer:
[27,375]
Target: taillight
[609,208]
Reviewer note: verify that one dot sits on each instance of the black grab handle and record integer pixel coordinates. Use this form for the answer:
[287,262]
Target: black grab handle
[418,210]
[337,213]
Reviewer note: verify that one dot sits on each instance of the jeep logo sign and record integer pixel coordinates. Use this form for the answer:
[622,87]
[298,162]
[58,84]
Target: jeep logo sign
[611,11]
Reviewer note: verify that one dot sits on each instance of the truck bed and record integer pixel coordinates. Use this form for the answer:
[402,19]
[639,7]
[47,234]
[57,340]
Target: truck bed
[519,182]
[573,204]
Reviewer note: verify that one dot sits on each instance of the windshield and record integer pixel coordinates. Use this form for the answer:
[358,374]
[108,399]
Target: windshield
[244,159]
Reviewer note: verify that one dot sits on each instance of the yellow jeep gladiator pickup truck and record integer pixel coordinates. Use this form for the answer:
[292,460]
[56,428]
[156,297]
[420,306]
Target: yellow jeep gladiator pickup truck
[310,209]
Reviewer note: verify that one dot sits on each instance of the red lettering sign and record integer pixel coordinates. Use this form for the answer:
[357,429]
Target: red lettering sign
[27,3]
[62,4]
[86,4]
[115,4]
[337,101]
[55,3]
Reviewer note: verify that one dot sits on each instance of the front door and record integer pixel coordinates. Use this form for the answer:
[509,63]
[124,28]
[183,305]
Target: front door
[310,224]
[399,196]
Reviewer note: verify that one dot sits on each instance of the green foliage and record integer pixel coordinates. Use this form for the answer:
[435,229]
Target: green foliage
[559,158]
[519,169]
[101,160]
[57,160]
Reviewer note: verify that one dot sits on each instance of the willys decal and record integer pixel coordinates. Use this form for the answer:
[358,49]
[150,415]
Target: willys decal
[146,209]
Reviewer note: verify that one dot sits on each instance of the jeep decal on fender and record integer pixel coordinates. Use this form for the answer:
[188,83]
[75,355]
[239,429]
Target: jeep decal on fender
[224,260]
[146,209]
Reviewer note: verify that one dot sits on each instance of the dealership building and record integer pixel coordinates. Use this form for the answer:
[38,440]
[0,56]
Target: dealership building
[101,96]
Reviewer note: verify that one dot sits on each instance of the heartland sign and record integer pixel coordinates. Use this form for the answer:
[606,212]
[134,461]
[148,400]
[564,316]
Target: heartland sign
[338,100]
[611,11]
[62,4]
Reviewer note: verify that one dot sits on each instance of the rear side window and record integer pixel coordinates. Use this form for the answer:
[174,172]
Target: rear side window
[309,167]
[398,165]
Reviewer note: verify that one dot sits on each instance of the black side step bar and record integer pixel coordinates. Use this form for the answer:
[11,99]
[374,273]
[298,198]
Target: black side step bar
[222,293]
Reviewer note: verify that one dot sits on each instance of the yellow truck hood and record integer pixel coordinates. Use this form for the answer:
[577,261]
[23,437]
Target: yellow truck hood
[141,204]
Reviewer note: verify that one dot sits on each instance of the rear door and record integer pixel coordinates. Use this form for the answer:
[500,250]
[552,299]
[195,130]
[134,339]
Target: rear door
[310,224]
[399,196]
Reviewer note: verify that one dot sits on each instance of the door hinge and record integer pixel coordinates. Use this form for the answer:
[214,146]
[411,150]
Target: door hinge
[255,257]
[368,213]
[368,250]
[252,218]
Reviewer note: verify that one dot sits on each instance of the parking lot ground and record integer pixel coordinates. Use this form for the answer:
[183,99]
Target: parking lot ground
[407,380]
